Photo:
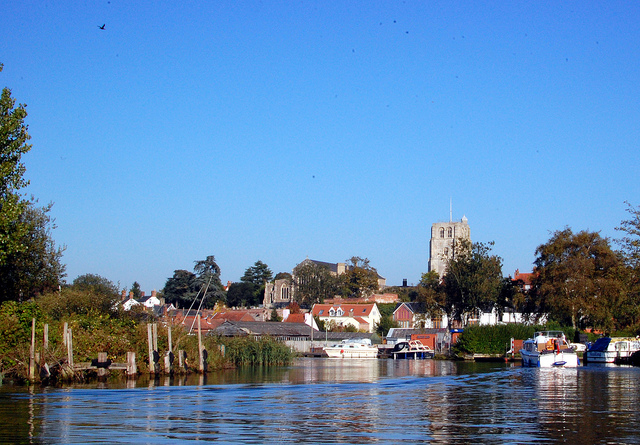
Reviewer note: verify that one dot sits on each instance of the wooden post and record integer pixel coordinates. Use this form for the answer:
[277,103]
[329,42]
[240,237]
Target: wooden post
[70,348]
[152,367]
[155,336]
[45,344]
[102,358]
[182,363]
[32,351]
[200,351]
[131,364]
[64,333]
[169,338]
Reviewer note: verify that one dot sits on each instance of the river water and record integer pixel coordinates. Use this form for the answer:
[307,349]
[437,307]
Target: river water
[339,401]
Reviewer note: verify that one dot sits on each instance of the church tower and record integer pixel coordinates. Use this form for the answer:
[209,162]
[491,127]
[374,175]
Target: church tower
[443,235]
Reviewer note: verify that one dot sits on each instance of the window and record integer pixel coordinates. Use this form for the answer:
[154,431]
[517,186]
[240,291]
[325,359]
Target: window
[321,312]
[446,251]
[450,232]
[332,312]
[340,312]
[441,232]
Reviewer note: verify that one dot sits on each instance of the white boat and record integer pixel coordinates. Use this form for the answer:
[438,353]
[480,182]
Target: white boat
[352,348]
[608,350]
[412,349]
[548,349]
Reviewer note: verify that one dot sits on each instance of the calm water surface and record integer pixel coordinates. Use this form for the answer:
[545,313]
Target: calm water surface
[339,401]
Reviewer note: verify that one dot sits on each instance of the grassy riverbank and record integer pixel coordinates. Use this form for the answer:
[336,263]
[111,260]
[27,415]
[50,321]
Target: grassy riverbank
[99,325]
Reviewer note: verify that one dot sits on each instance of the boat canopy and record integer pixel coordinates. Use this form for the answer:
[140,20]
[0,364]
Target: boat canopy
[601,344]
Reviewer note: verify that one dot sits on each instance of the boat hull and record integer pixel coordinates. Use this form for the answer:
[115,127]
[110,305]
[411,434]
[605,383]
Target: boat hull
[550,359]
[336,352]
[610,350]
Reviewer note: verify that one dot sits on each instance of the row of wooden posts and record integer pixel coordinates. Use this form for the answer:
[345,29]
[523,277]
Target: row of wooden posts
[101,364]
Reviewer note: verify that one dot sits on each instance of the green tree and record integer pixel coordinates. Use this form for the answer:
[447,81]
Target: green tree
[242,294]
[385,324]
[181,289]
[257,274]
[430,293]
[37,268]
[283,276]
[313,283]
[185,287]
[630,242]
[275,316]
[96,284]
[13,144]
[579,279]
[135,288]
[630,253]
[473,280]
[360,279]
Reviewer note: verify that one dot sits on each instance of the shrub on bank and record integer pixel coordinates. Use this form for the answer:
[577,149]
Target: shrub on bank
[497,339]
[242,351]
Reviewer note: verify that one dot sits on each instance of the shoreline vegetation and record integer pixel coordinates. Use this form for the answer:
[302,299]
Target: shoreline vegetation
[99,325]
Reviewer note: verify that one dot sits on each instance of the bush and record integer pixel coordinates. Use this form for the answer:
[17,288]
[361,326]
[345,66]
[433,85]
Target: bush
[497,339]
[249,351]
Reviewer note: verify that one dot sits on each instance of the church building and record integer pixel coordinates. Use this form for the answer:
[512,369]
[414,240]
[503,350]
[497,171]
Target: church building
[443,236]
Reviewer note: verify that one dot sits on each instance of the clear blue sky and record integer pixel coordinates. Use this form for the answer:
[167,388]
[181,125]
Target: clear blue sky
[277,131]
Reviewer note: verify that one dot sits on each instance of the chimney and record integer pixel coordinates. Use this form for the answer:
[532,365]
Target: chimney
[142,294]
[404,282]
[124,294]
[130,295]
[153,293]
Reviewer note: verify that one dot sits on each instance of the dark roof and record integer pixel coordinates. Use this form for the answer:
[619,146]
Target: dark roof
[333,267]
[273,328]
[416,308]
[278,329]
[402,333]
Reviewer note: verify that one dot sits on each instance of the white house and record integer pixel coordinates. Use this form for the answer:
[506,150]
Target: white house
[363,317]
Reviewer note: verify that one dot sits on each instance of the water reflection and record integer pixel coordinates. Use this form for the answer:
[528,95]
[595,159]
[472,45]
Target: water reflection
[334,401]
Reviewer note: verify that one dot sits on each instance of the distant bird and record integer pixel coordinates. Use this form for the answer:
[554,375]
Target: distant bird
[102,27]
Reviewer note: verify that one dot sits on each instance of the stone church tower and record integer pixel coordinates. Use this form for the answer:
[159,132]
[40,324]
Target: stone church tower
[443,234]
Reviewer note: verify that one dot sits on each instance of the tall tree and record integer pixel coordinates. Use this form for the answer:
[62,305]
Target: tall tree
[257,274]
[184,287]
[313,283]
[181,289]
[95,284]
[13,144]
[630,241]
[473,280]
[135,289]
[579,279]
[37,268]
[360,279]
[431,294]
[630,253]
[243,294]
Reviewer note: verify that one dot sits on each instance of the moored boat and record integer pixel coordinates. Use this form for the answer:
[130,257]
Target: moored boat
[548,349]
[412,349]
[352,348]
[609,350]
